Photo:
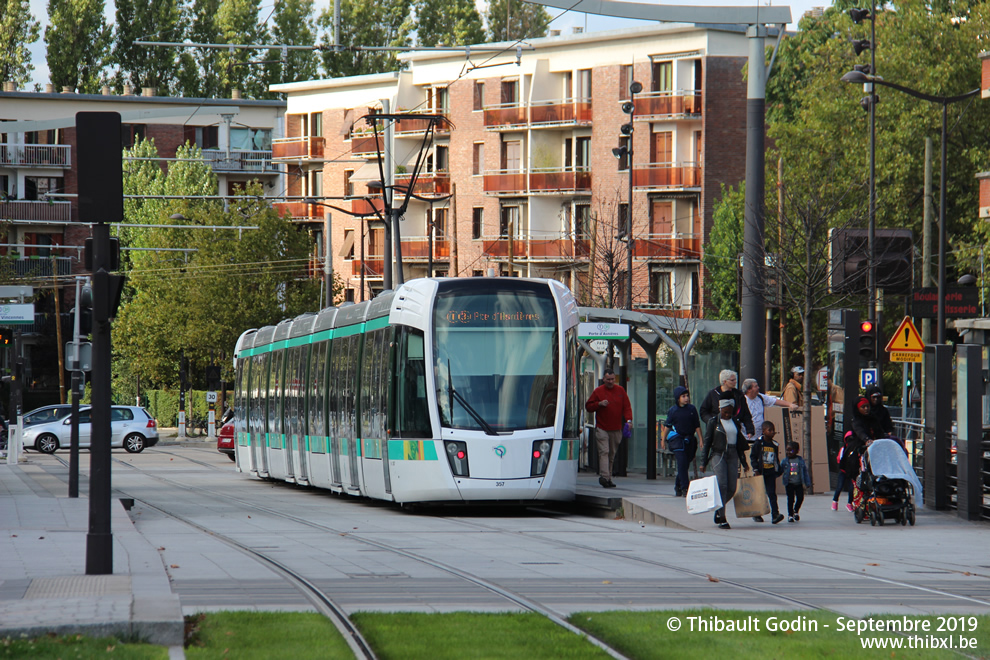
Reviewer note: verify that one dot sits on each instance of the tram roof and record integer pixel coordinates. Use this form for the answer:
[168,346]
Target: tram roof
[302,324]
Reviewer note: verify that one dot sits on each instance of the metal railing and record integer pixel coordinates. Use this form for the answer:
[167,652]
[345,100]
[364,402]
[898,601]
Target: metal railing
[36,155]
[240,161]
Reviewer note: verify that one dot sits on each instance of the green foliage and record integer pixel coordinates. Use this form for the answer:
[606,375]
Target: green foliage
[510,20]
[365,23]
[294,25]
[448,23]
[237,23]
[147,66]
[199,302]
[164,405]
[200,73]
[18,30]
[721,253]
[78,44]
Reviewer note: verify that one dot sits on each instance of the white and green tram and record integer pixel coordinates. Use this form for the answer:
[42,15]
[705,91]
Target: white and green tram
[460,389]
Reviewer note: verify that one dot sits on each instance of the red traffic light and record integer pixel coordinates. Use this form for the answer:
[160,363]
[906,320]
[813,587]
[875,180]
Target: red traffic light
[866,326]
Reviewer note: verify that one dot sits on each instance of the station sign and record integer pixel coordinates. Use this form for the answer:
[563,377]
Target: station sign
[614,331]
[17,314]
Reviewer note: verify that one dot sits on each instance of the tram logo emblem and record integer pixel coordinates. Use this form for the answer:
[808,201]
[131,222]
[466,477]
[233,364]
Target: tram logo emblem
[499,451]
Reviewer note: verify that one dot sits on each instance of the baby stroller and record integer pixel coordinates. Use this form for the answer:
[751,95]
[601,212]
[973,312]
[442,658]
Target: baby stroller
[888,485]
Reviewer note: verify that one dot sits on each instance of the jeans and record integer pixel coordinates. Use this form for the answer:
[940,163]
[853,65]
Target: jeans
[726,468]
[684,458]
[844,480]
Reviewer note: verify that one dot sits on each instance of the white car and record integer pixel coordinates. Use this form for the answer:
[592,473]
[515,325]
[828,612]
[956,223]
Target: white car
[131,427]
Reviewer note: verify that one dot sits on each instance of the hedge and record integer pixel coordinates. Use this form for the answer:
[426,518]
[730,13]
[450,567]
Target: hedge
[164,405]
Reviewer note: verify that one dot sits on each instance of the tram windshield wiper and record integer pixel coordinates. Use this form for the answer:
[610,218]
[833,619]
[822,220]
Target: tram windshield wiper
[467,406]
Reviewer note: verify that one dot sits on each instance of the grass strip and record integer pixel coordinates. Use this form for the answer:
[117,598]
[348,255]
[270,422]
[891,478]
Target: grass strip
[79,646]
[263,636]
[757,635]
[465,635]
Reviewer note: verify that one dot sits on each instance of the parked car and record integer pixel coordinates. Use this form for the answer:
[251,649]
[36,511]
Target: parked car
[131,427]
[225,440]
[47,414]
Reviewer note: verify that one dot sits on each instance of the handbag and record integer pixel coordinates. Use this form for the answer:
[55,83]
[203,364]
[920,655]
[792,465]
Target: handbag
[751,497]
[703,495]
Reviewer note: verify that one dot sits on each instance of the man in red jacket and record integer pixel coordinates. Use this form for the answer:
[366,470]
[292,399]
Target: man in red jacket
[611,406]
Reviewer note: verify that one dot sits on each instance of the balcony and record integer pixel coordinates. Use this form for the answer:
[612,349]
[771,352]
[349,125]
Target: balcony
[367,206]
[667,104]
[437,183]
[667,175]
[684,311]
[507,115]
[559,181]
[367,145]
[668,246]
[374,267]
[415,127]
[505,182]
[240,161]
[35,267]
[417,248]
[560,113]
[562,247]
[36,211]
[299,210]
[297,148]
[42,156]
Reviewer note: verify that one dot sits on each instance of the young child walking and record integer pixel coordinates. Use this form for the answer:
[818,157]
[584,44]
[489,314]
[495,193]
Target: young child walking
[796,479]
[765,459]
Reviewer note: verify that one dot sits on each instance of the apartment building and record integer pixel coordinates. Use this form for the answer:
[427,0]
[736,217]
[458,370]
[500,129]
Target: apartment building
[521,177]
[43,238]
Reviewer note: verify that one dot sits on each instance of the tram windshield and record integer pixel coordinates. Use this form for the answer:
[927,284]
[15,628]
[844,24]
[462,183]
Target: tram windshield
[496,357]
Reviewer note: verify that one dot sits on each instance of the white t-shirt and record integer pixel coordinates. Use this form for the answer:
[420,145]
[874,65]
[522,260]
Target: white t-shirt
[729,427]
[756,406]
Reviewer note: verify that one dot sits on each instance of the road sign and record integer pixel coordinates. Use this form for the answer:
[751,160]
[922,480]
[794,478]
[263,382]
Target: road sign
[822,379]
[82,362]
[905,344]
[868,377]
[211,397]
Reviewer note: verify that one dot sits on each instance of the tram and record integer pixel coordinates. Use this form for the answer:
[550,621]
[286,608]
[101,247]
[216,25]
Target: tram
[445,390]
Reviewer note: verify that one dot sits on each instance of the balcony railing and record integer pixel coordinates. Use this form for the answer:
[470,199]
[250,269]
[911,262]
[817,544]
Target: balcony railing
[298,210]
[560,112]
[507,114]
[240,161]
[416,126]
[559,180]
[673,102]
[56,156]
[418,248]
[298,147]
[542,247]
[505,181]
[667,175]
[669,246]
[680,311]
[374,267]
[367,145]
[367,206]
[36,211]
[426,184]
[35,267]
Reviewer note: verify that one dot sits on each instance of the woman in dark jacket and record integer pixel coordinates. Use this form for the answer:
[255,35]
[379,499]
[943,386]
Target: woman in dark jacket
[725,449]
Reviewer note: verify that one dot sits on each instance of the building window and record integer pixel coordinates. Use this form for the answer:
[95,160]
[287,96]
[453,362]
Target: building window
[316,183]
[349,295]
[251,139]
[440,222]
[347,251]
[623,214]
[479,96]
[624,159]
[131,134]
[510,92]
[661,218]
[316,124]
[625,79]
[582,220]
[478,162]
[36,187]
[660,293]
[477,273]
[437,161]
[508,218]
[348,184]
[441,100]
[663,76]
[477,222]
[662,147]
[584,86]
[512,156]
[582,154]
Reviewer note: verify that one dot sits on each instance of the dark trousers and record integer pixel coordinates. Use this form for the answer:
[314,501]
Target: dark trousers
[684,458]
[770,481]
[844,480]
[795,497]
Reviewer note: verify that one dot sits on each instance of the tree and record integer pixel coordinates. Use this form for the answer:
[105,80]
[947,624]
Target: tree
[512,20]
[18,30]
[237,23]
[721,254]
[147,66]
[448,23]
[200,72]
[78,44]
[294,25]
[365,23]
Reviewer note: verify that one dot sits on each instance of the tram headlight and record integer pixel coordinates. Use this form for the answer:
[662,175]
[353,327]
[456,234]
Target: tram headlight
[540,458]
[457,457]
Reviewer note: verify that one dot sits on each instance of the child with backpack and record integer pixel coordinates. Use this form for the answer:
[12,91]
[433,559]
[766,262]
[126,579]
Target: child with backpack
[765,460]
[796,479]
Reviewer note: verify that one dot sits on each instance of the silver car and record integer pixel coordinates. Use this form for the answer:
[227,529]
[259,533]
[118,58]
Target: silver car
[131,427]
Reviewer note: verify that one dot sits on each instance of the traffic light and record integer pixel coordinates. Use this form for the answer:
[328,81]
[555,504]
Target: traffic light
[5,337]
[85,310]
[867,342]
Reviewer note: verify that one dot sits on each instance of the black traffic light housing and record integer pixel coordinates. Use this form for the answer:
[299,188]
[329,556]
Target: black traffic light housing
[86,310]
[6,337]
[867,342]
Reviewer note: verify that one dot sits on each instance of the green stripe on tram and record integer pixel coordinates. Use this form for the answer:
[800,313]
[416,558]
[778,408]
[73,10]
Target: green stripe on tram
[412,450]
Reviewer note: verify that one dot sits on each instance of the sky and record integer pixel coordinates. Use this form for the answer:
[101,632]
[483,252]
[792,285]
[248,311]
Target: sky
[564,21]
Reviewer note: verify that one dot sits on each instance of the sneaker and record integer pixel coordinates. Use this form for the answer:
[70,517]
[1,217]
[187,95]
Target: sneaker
[724,525]
[790,519]
[611,484]
[835,506]
[757,518]
[850,507]
[603,481]
[777,518]
[797,518]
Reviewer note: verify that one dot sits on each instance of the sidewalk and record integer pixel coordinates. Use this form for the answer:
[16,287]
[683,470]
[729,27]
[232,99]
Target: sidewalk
[43,583]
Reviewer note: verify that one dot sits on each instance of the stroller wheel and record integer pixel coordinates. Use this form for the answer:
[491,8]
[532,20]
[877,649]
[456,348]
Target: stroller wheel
[873,517]
[858,514]
[903,517]
[879,516]
[910,516]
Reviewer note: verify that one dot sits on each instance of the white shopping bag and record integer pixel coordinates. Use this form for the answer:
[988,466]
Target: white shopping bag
[703,495]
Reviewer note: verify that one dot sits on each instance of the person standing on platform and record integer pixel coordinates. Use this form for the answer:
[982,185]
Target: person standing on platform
[681,435]
[796,479]
[727,389]
[757,401]
[765,459]
[794,390]
[612,409]
[725,449]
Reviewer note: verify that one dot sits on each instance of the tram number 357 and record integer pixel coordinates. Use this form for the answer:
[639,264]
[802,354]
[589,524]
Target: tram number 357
[499,484]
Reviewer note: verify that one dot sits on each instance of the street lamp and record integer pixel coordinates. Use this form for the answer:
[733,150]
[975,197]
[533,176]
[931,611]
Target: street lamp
[626,151]
[858,77]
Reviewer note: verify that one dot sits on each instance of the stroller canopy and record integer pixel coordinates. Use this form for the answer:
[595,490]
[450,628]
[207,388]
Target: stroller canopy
[887,459]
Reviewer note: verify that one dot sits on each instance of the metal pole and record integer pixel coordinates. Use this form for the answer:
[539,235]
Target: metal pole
[941,227]
[388,171]
[76,384]
[753,307]
[629,211]
[327,261]
[872,223]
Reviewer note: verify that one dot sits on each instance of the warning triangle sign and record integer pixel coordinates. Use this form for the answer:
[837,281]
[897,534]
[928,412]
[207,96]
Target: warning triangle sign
[906,338]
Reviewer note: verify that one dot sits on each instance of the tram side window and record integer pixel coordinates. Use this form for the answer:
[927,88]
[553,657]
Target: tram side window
[318,394]
[275,393]
[374,383]
[412,410]
[572,399]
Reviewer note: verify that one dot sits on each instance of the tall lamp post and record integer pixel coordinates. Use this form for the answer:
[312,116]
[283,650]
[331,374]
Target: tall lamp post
[858,77]
[870,103]
[626,151]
